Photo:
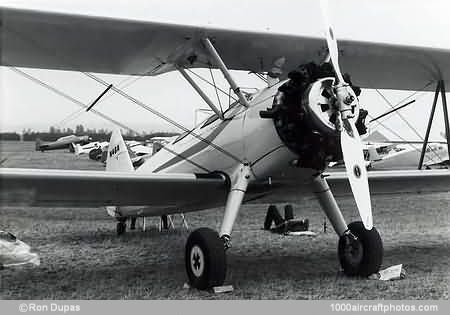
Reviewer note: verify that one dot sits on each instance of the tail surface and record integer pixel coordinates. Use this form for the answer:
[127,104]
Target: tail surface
[118,159]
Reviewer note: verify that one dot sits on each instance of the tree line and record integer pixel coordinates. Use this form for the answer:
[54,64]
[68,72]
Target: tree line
[55,133]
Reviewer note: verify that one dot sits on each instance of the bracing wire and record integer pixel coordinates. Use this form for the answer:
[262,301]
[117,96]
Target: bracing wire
[406,121]
[117,90]
[164,117]
[206,81]
[70,98]
[215,89]
[398,135]
[122,84]
[100,114]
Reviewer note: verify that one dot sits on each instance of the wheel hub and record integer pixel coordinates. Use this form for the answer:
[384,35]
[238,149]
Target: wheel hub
[197,259]
[353,250]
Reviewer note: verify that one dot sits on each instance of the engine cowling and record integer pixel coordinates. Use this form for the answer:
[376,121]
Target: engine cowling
[306,122]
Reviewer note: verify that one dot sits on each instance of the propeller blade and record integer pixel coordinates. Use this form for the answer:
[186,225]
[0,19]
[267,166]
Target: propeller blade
[352,151]
[331,40]
[351,145]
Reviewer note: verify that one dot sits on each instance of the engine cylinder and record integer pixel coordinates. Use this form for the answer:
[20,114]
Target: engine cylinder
[305,120]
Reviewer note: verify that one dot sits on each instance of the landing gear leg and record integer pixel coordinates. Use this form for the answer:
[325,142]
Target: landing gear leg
[234,201]
[360,251]
[205,257]
[328,204]
[121,227]
[133,223]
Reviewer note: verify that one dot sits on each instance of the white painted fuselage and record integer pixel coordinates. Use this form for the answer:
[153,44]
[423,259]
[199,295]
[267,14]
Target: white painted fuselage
[223,145]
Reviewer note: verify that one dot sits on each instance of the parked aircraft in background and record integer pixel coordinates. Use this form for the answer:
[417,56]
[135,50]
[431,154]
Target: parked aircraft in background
[404,156]
[381,153]
[62,143]
[158,142]
[88,147]
[138,148]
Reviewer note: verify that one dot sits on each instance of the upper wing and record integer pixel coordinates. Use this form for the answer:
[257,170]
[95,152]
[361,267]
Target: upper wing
[110,45]
[42,187]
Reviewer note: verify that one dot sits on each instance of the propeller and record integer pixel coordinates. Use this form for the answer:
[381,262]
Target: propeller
[351,145]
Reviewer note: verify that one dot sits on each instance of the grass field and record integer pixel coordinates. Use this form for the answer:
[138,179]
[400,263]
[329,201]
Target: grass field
[82,258]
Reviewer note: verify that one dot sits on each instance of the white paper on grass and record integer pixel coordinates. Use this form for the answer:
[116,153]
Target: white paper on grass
[391,273]
[14,252]
[300,233]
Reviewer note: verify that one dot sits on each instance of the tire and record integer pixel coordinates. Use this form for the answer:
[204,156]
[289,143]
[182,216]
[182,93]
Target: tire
[94,153]
[205,259]
[364,256]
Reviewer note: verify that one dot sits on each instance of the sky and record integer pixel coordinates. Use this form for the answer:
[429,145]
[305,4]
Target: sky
[24,104]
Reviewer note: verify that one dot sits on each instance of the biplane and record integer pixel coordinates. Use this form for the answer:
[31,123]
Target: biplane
[279,139]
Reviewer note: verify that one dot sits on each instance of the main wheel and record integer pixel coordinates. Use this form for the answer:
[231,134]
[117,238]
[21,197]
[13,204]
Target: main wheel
[205,259]
[363,256]
[95,154]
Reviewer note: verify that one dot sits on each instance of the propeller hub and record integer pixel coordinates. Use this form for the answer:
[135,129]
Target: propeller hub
[346,100]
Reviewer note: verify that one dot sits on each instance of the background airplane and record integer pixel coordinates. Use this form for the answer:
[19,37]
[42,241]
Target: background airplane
[88,147]
[403,156]
[62,143]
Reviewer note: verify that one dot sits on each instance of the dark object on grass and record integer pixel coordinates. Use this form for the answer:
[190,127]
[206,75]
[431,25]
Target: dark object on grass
[288,212]
[133,223]
[164,222]
[283,226]
[272,216]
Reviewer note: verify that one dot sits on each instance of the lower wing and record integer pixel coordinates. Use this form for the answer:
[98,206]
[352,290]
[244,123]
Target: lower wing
[75,188]
[70,188]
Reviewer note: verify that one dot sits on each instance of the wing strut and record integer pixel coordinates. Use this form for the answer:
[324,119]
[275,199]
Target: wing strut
[226,73]
[440,88]
[200,92]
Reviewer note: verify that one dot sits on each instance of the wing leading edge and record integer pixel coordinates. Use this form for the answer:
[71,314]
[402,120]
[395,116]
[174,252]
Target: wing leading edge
[109,45]
[402,181]
[67,188]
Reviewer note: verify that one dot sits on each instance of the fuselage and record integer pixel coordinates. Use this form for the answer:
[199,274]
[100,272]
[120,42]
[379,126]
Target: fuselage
[221,145]
[242,137]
